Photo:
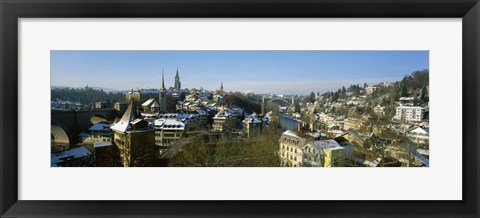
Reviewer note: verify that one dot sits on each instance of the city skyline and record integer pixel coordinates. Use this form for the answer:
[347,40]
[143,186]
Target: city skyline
[277,72]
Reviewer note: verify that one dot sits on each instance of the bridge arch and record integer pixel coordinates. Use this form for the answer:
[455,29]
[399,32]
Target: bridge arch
[59,138]
[279,101]
[97,118]
[59,135]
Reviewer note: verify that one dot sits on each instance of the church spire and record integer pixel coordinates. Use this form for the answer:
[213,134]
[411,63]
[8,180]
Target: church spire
[163,82]
[221,89]
[162,98]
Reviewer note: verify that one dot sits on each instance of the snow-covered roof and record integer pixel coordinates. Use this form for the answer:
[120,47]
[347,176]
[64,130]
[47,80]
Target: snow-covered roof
[409,107]
[136,121]
[252,120]
[420,130]
[315,134]
[367,163]
[169,124]
[148,102]
[124,124]
[84,134]
[335,131]
[328,144]
[423,151]
[290,133]
[72,153]
[186,116]
[99,126]
[406,99]
[102,144]
[148,115]
[223,114]
[167,115]
[177,115]
[133,92]
[155,104]
[150,91]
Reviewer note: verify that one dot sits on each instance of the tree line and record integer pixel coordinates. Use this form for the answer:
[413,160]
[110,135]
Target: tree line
[86,95]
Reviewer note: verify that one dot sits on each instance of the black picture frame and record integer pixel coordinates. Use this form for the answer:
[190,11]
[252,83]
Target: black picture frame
[12,10]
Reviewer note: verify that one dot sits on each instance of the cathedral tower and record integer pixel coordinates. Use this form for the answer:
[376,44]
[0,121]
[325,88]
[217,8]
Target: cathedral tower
[178,84]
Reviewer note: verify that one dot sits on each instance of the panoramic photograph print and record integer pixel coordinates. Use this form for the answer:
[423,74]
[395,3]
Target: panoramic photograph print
[239,108]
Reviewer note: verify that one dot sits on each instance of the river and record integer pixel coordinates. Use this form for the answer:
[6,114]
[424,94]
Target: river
[287,122]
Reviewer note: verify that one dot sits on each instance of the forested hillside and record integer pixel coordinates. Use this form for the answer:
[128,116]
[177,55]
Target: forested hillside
[85,95]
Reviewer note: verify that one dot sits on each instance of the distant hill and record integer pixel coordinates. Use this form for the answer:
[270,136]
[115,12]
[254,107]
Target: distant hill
[86,95]
[95,88]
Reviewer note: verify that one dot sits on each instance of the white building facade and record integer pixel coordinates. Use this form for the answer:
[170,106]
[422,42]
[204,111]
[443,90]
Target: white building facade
[168,130]
[418,135]
[291,149]
[409,113]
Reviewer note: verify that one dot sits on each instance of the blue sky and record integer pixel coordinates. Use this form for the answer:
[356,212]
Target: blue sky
[279,72]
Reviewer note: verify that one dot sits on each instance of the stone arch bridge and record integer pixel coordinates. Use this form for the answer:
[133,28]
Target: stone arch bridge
[279,101]
[66,125]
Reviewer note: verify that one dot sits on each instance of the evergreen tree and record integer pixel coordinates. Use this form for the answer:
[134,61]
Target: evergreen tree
[404,91]
[297,107]
[336,96]
[394,94]
[424,95]
[312,97]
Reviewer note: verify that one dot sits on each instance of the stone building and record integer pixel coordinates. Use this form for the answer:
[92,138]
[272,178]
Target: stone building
[106,155]
[351,123]
[134,138]
[141,95]
[168,130]
[419,135]
[379,110]
[254,126]
[101,105]
[70,158]
[121,107]
[100,132]
[218,99]
[324,153]
[151,106]
[224,121]
[291,148]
